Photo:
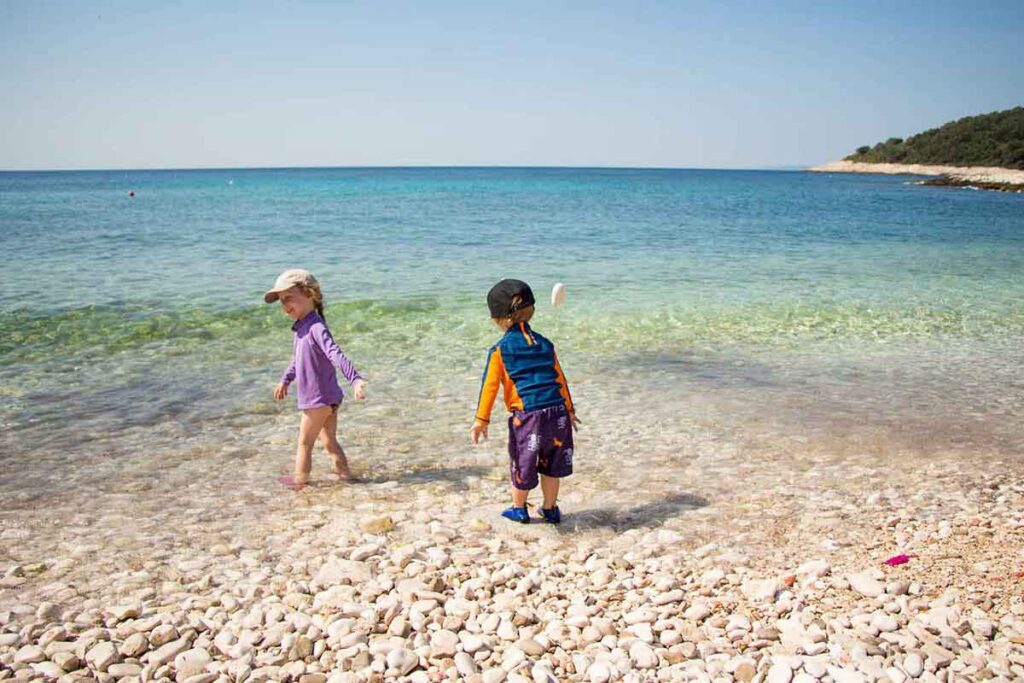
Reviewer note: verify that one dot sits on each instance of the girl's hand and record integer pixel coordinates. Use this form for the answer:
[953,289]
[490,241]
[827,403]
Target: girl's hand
[358,387]
[479,429]
[575,422]
[281,391]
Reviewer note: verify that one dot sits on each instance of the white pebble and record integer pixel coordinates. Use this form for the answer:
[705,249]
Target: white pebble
[866,585]
[599,673]
[780,673]
[465,664]
[643,656]
[913,665]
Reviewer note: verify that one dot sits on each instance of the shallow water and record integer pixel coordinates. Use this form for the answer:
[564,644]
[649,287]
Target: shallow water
[708,312]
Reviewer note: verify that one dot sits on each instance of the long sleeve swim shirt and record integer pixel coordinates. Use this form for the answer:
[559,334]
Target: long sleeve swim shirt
[524,365]
[315,356]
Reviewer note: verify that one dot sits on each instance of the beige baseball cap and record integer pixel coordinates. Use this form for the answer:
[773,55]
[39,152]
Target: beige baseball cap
[287,280]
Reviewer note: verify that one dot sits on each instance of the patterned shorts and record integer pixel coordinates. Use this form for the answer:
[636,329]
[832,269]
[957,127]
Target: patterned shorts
[539,441]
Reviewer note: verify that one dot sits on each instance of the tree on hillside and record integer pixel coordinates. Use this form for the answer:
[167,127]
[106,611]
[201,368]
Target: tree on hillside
[995,139]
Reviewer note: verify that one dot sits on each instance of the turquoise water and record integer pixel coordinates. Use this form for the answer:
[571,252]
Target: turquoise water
[821,302]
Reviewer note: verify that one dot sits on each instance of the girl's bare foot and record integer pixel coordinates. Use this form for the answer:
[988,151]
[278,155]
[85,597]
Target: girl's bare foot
[341,470]
[294,483]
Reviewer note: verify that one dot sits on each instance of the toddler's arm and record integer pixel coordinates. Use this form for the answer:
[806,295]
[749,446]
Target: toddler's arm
[324,340]
[564,387]
[289,375]
[488,393]
[566,396]
[286,379]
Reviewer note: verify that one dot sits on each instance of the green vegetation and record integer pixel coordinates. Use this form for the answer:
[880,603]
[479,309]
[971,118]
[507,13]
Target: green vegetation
[995,139]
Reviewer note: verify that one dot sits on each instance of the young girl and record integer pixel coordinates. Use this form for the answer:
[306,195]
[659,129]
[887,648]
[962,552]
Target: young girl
[314,359]
[524,365]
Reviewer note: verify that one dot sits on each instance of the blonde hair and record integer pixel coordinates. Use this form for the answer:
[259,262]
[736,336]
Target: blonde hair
[523,315]
[314,293]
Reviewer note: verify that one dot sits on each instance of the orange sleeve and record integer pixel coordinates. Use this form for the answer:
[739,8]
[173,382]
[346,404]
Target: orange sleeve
[563,386]
[493,375]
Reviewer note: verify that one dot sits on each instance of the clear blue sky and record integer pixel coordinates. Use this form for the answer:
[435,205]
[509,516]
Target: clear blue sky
[679,84]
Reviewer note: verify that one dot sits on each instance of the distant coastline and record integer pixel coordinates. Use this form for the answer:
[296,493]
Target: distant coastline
[982,177]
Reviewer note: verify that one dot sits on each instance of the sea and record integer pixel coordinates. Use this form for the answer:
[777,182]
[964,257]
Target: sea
[866,316]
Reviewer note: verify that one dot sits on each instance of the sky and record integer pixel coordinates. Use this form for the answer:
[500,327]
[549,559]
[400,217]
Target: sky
[717,84]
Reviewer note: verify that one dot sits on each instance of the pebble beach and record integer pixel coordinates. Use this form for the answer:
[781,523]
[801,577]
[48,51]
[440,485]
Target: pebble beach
[799,457]
[716,564]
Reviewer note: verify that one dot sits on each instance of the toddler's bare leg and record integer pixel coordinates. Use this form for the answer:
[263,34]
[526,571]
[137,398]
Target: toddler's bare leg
[519,497]
[329,439]
[312,422]
[549,487]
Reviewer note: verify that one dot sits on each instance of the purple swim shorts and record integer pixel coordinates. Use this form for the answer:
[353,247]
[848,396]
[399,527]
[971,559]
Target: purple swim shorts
[539,441]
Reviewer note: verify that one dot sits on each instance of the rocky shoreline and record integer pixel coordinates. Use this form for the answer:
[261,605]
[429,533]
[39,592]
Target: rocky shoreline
[985,178]
[492,605]
[439,588]
[695,554]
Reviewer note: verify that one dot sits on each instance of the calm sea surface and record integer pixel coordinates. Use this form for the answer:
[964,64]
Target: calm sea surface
[864,312]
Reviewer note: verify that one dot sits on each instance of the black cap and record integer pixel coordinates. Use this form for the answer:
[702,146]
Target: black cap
[502,299]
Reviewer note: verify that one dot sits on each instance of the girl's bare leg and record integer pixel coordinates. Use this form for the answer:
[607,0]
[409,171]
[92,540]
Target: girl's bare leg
[312,422]
[549,487]
[329,439]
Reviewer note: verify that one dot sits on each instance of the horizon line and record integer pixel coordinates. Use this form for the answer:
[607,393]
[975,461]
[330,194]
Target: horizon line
[799,167]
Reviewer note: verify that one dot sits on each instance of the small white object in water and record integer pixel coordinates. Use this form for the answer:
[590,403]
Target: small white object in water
[558,294]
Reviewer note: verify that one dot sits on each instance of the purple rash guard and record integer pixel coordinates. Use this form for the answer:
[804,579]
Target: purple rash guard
[314,358]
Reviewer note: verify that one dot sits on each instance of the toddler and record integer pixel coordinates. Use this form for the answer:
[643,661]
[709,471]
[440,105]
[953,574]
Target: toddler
[314,359]
[540,430]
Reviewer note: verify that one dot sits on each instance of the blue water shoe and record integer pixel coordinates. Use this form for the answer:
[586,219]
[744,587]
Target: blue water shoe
[552,516]
[520,515]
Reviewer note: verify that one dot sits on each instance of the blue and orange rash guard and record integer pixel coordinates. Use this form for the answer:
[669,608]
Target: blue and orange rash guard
[524,365]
